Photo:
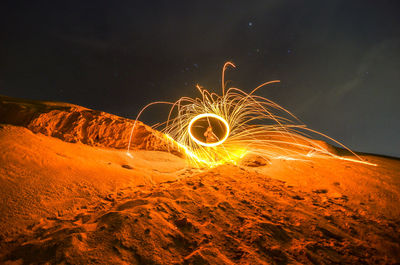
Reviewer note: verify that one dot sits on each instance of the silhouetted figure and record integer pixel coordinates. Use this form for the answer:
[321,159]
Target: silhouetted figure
[210,136]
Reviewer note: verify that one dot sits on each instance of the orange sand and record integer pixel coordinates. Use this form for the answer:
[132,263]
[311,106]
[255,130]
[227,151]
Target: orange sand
[87,202]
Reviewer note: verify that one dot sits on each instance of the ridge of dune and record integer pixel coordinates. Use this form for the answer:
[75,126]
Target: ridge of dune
[72,123]
[70,195]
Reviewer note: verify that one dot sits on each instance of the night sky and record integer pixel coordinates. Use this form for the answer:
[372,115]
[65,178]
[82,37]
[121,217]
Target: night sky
[339,61]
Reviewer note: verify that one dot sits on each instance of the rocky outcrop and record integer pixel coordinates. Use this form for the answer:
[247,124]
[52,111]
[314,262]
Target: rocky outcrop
[72,123]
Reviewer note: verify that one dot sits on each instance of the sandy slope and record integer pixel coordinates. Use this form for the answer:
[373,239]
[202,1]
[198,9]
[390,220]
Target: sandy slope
[44,175]
[72,203]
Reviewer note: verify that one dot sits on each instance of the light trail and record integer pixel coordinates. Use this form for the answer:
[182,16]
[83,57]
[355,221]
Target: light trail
[206,115]
[253,124]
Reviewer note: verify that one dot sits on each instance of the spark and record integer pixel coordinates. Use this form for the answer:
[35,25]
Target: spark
[251,124]
[207,115]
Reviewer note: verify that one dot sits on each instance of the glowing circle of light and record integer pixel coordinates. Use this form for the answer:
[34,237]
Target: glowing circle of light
[212,115]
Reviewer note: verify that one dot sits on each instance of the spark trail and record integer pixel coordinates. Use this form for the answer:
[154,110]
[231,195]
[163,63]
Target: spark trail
[247,123]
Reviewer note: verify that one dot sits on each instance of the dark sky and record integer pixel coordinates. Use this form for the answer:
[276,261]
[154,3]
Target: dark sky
[339,61]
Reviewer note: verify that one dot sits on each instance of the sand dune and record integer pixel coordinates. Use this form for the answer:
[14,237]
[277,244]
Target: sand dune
[71,195]
[72,123]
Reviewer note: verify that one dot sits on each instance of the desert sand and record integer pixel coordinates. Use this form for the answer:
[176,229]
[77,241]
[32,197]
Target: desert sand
[70,194]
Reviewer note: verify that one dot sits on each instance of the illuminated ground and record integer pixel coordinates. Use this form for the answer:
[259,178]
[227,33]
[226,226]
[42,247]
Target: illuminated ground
[75,203]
